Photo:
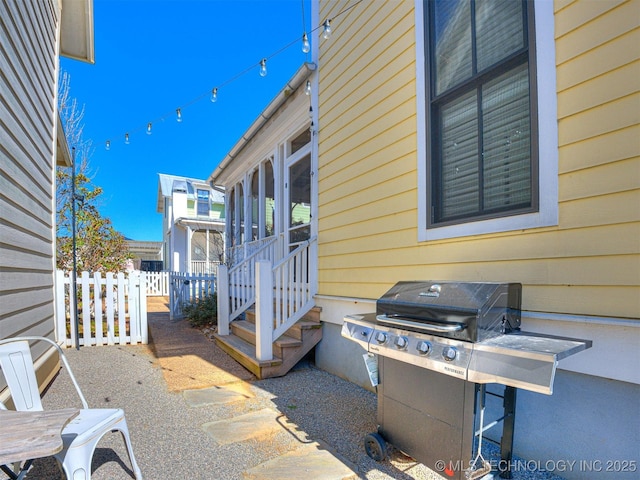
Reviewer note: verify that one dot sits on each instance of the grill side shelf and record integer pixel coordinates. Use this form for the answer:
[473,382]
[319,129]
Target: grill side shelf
[522,360]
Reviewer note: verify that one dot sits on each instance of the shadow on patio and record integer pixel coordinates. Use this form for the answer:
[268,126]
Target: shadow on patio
[182,395]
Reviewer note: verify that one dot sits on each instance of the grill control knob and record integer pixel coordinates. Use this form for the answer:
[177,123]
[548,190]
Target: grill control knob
[381,338]
[401,343]
[449,353]
[423,347]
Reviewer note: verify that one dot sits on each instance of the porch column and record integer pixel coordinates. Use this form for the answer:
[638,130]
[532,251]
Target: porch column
[189,268]
[264,310]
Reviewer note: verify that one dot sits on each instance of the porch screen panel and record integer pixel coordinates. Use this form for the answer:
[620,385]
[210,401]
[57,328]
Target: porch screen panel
[270,200]
[255,204]
[300,201]
[240,226]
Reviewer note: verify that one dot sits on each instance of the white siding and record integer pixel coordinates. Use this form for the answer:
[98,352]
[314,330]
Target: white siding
[28,69]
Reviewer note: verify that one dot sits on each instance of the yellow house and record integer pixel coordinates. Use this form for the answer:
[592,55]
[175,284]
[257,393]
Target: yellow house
[487,141]
[447,154]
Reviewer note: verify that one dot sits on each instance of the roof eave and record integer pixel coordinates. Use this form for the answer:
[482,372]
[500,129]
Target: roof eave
[76,30]
[300,76]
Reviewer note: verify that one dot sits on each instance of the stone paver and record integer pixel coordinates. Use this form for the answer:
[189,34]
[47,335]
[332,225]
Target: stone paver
[217,395]
[256,424]
[311,461]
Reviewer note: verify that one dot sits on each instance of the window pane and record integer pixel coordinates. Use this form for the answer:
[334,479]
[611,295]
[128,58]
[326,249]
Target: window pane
[203,203]
[300,141]
[460,182]
[452,36]
[507,140]
[499,30]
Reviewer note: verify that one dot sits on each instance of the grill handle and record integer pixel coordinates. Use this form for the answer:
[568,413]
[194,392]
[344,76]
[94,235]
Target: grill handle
[426,326]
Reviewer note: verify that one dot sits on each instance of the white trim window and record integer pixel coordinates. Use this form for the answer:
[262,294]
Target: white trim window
[203,203]
[487,131]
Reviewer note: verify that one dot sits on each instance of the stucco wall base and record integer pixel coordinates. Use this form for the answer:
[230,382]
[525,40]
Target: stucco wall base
[341,357]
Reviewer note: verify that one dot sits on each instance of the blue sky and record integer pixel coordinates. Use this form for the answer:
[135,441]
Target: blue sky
[155,56]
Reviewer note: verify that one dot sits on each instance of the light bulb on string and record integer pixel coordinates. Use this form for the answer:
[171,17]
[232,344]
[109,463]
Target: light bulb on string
[310,112]
[263,67]
[306,46]
[326,32]
[307,88]
[126,139]
[178,115]
[214,95]
[149,128]
[107,145]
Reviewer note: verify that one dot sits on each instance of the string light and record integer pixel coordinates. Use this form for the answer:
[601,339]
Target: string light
[213,94]
[326,32]
[126,138]
[306,46]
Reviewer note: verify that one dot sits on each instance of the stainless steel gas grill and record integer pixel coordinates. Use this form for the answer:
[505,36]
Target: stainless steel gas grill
[437,344]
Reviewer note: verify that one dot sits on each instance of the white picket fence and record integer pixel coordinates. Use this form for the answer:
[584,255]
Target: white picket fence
[112,309]
[157,284]
[186,288]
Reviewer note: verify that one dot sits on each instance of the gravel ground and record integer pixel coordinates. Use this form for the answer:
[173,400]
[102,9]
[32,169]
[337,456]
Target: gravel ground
[167,434]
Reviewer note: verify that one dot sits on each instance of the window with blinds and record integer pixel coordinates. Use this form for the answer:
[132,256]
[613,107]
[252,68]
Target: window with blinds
[481,158]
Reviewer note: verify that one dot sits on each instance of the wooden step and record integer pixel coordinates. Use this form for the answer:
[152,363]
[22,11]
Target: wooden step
[247,331]
[288,350]
[312,315]
[245,354]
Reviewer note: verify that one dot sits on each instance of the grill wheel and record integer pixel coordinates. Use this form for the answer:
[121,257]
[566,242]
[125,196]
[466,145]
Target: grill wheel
[375,446]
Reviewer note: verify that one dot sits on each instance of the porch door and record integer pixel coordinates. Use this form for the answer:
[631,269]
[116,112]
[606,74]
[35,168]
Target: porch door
[298,200]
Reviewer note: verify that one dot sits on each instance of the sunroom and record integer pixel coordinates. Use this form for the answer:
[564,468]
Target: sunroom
[270,188]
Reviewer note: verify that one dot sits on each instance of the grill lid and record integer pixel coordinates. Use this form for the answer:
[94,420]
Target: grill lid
[471,311]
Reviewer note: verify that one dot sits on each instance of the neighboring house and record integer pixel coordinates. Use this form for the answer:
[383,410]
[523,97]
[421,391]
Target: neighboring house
[404,100]
[193,224]
[33,34]
[147,256]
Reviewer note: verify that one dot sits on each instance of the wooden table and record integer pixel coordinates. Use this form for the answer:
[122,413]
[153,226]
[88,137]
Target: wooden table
[28,435]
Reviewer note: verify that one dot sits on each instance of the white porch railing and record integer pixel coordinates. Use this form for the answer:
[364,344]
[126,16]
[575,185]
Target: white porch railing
[282,294]
[187,287]
[243,252]
[204,267]
[241,277]
[111,309]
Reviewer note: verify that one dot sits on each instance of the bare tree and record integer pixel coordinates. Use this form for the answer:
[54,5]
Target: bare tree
[99,247]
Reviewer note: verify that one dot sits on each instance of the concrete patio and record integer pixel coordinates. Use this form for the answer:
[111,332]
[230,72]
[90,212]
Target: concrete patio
[193,412]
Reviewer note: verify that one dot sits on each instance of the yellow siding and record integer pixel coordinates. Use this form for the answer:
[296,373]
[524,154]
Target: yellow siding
[588,265]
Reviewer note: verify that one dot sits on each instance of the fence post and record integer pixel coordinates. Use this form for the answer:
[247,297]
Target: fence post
[97,307]
[144,328]
[133,308]
[223,299]
[264,310]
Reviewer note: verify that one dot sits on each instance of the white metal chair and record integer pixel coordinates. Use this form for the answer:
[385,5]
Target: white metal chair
[82,434]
